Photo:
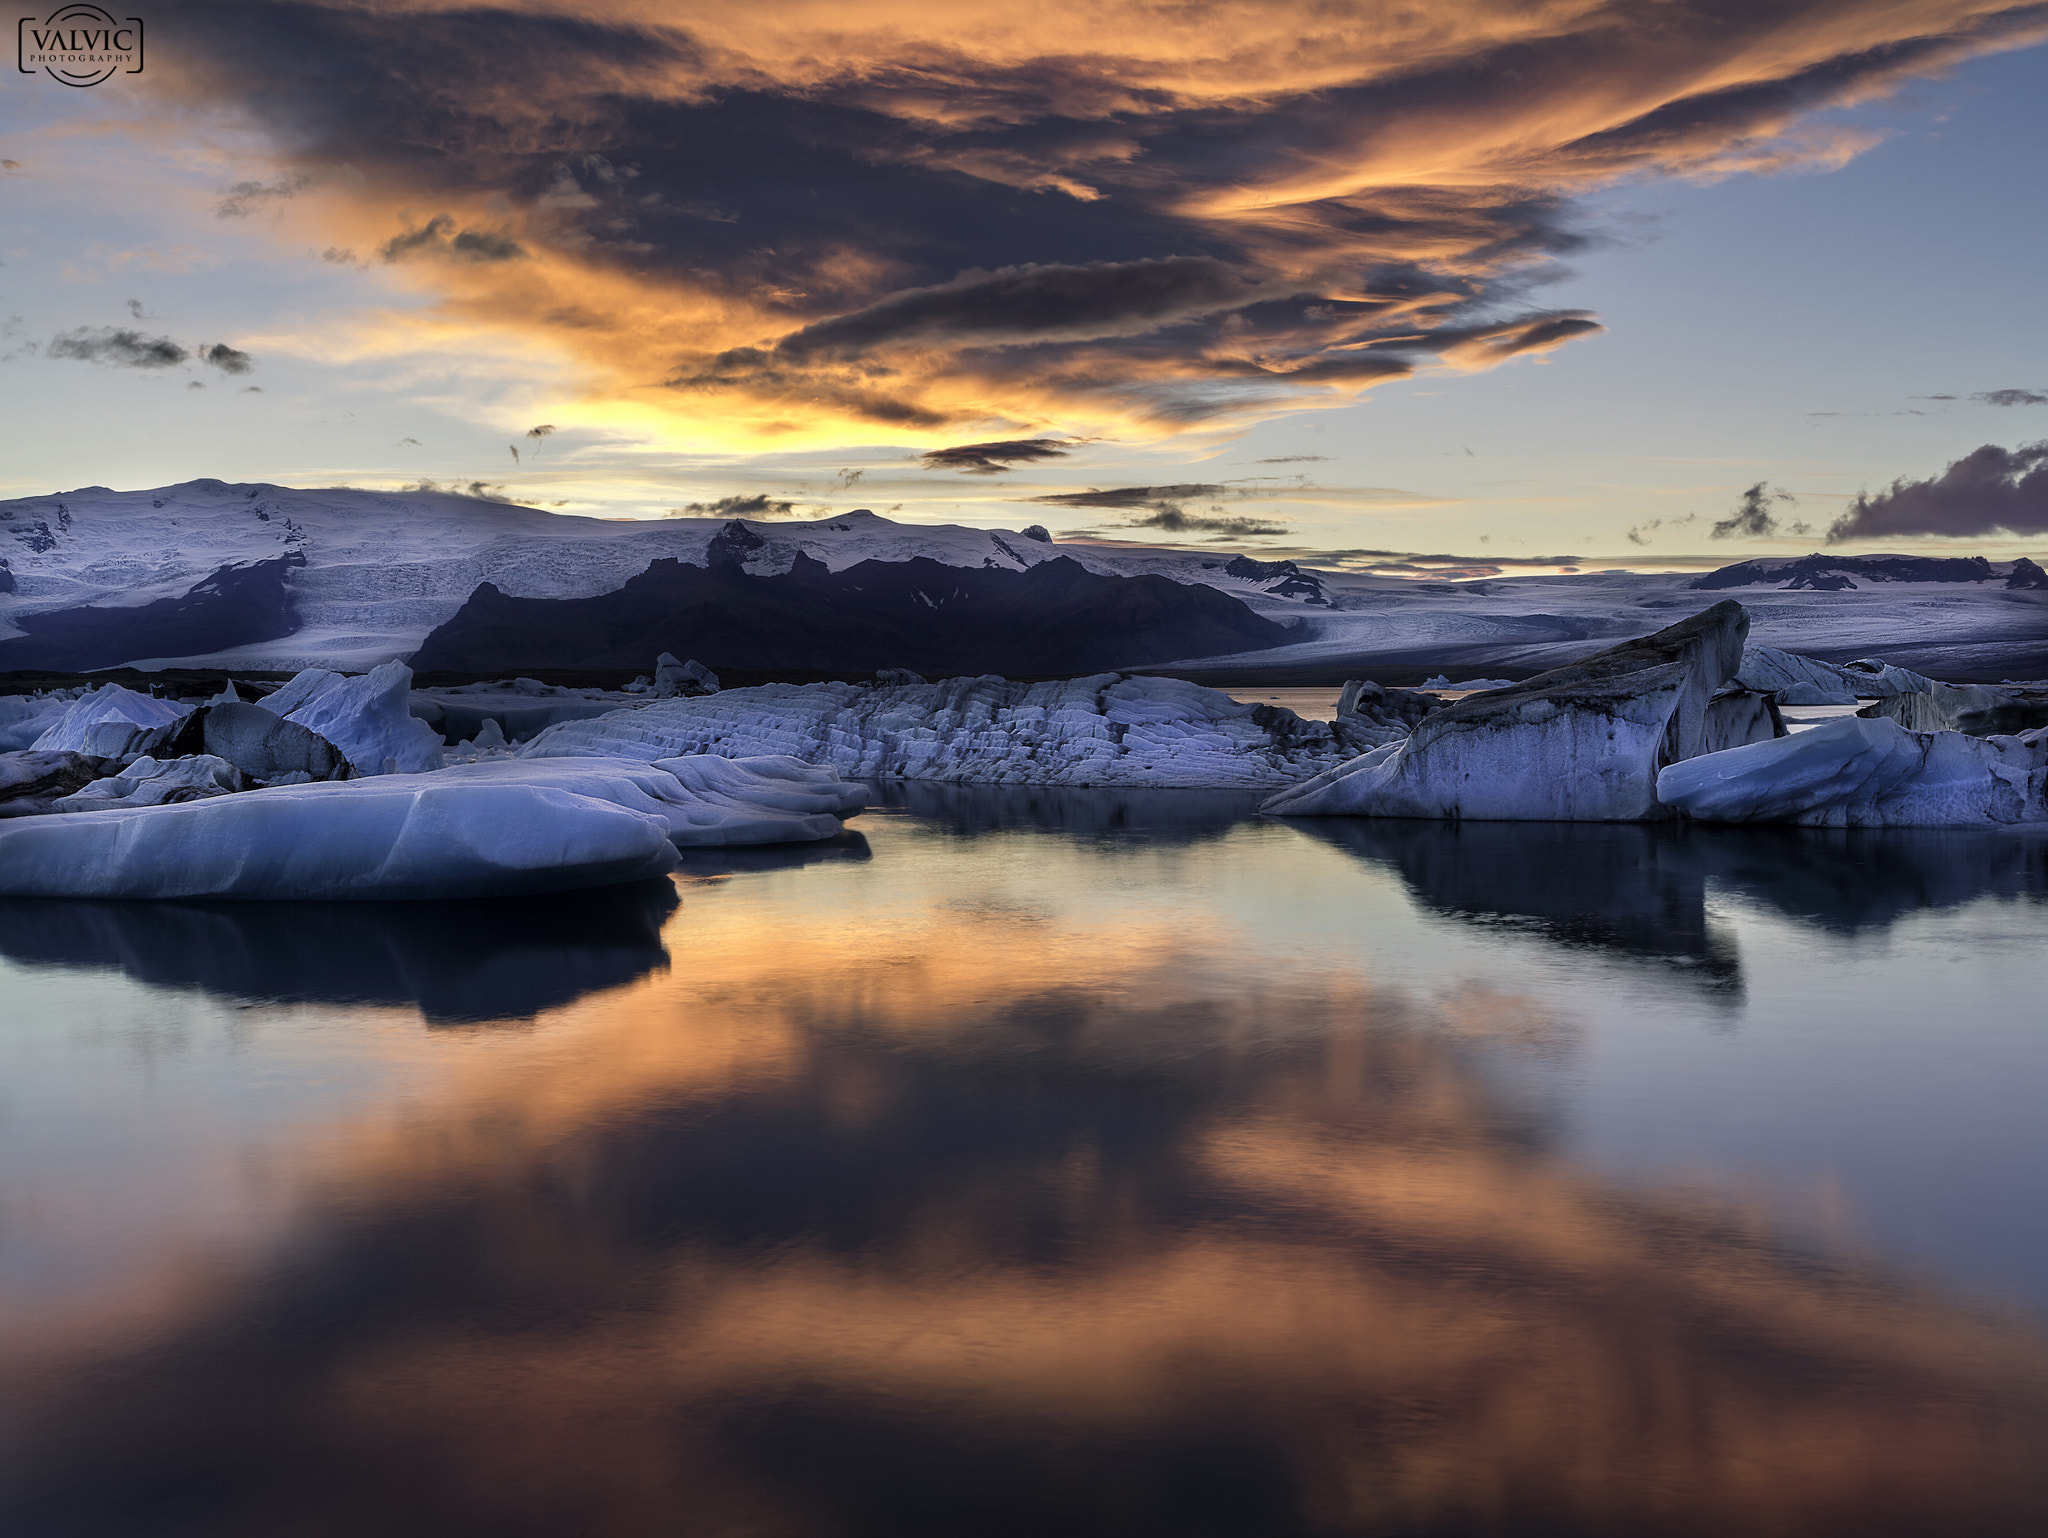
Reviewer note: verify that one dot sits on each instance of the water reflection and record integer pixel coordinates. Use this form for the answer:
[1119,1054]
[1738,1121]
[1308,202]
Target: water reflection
[1642,890]
[706,863]
[1065,1190]
[1168,816]
[456,962]
[1629,888]
[824,1263]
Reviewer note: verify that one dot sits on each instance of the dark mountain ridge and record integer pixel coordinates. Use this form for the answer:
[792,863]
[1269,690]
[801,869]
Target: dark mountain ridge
[1055,618]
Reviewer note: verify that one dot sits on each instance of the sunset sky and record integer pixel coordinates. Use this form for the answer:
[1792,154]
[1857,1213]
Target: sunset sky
[1495,285]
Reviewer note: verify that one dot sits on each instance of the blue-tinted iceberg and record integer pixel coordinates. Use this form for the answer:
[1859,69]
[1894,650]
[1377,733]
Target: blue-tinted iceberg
[111,722]
[1581,743]
[366,716]
[1105,730]
[385,838]
[705,802]
[1861,773]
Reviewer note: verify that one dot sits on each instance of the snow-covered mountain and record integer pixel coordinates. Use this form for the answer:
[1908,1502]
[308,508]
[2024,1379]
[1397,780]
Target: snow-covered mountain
[208,574]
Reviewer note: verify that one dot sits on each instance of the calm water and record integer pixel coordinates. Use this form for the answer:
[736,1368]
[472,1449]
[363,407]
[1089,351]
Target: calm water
[1044,1163]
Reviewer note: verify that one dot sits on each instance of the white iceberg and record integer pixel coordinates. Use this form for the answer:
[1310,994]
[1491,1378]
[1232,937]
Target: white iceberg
[1103,730]
[415,837]
[674,679]
[1581,743]
[367,717]
[1864,773]
[110,722]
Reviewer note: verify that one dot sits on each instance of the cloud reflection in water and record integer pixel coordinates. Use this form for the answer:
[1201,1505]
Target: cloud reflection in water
[1037,1199]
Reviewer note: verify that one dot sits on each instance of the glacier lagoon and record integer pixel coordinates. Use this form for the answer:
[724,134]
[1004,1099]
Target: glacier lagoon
[1031,1161]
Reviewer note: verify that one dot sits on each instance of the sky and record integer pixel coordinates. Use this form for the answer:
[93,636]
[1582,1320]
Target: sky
[1461,287]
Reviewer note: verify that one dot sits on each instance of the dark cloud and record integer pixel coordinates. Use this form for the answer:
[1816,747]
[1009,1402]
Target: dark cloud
[1177,520]
[1639,534]
[1293,459]
[229,360]
[244,198]
[1990,490]
[117,348]
[760,505]
[439,236]
[1752,518]
[1128,497]
[994,458]
[794,218]
[482,491]
[2012,398]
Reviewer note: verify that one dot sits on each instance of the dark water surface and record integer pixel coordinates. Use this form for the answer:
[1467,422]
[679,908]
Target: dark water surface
[1048,1163]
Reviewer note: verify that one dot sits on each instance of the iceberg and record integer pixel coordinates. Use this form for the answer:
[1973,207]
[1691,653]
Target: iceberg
[1581,743]
[411,838]
[260,744]
[149,782]
[111,722]
[1867,773]
[705,802]
[1108,729]
[31,782]
[673,679]
[25,717]
[367,717]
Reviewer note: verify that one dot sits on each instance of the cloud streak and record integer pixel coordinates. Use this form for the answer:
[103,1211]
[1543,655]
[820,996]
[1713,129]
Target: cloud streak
[785,225]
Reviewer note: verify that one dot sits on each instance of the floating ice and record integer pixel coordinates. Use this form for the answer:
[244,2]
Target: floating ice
[705,802]
[257,742]
[1108,729]
[1581,743]
[25,717]
[416,837]
[366,717]
[30,781]
[110,722]
[148,782]
[1860,773]
[673,679]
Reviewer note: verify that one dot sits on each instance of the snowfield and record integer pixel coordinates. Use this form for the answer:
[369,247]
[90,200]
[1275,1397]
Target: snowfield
[368,575]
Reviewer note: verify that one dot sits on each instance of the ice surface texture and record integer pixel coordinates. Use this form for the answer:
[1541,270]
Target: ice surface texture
[1581,743]
[390,837]
[1102,730]
[148,782]
[1859,773]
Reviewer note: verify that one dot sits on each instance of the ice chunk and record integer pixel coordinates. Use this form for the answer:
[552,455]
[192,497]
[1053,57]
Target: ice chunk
[414,837]
[25,717]
[673,679]
[1859,773]
[705,802]
[1970,708]
[30,782]
[150,782]
[1107,729]
[367,717]
[489,736]
[111,722]
[1581,743]
[258,743]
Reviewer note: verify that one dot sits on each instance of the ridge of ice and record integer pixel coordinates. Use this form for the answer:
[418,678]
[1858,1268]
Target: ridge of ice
[367,717]
[1106,729]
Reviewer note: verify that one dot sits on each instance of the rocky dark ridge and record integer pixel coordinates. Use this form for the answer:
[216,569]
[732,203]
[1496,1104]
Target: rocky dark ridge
[1056,619]
[1825,573]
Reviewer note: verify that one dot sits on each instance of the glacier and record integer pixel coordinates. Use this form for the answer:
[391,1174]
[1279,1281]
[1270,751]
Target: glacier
[1107,729]
[1867,773]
